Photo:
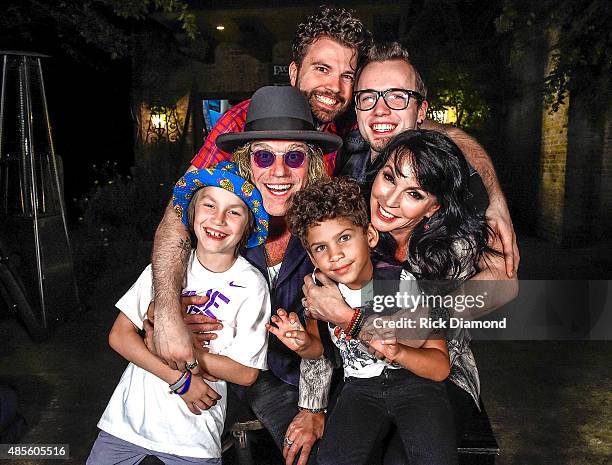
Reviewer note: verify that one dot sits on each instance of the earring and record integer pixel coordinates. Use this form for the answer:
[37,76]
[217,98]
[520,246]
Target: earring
[426,226]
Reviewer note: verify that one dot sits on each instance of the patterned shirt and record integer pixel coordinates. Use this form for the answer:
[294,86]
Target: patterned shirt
[234,120]
[463,369]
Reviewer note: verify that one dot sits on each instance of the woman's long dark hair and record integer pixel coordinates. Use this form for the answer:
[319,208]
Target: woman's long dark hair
[455,238]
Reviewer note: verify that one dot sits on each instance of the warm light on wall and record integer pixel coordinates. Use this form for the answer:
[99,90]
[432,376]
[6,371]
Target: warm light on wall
[220,27]
[448,115]
[158,121]
[164,124]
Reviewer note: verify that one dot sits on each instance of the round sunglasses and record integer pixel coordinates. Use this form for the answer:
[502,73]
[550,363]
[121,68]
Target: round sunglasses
[265,158]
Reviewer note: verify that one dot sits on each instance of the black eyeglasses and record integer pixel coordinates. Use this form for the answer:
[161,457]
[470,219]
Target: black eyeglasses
[395,99]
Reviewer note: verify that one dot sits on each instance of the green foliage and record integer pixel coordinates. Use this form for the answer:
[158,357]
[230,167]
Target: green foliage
[454,45]
[581,53]
[459,90]
[107,26]
[175,9]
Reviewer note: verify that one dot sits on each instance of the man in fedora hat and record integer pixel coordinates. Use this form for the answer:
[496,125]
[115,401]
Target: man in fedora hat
[329,50]
[280,152]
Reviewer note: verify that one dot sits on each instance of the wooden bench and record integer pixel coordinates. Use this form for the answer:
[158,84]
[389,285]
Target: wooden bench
[478,445]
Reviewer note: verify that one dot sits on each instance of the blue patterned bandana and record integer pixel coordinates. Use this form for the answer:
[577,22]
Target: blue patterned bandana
[224,175]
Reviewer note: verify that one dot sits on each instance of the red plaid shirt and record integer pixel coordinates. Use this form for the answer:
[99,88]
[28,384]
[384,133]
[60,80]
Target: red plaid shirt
[234,120]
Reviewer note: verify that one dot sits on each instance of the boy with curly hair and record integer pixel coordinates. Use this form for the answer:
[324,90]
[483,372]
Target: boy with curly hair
[404,390]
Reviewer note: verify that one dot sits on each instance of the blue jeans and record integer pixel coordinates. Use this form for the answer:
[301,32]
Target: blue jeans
[368,408]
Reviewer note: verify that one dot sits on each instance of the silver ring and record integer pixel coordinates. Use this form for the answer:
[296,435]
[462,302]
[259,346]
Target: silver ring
[288,441]
[192,365]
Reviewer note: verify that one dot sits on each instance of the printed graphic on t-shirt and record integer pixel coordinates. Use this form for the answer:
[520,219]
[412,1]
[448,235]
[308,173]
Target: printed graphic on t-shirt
[353,354]
[216,300]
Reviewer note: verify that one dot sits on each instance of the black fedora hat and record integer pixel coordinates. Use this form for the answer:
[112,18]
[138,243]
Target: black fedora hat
[279,113]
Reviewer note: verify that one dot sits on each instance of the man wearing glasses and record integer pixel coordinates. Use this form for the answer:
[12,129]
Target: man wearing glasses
[389,97]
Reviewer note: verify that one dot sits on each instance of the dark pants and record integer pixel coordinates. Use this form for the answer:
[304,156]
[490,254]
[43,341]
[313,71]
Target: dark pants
[367,409]
[463,409]
[274,403]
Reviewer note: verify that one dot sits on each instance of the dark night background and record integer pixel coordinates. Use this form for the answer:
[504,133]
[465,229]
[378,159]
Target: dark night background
[548,402]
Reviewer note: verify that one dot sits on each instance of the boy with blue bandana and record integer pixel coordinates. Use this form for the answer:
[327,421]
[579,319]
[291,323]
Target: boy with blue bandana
[179,416]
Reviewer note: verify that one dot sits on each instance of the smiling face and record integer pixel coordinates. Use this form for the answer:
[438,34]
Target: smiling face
[380,124]
[278,182]
[397,202]
[220,219]
[341,250]
[325,77]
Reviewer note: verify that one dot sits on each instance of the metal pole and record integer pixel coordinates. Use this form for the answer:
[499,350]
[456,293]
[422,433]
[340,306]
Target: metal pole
[3,176]
[53,160]
[29,152]
[4,61]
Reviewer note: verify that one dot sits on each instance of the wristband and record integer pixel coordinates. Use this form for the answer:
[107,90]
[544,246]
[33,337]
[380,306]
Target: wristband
[179,383]
[185,386]
[312,410]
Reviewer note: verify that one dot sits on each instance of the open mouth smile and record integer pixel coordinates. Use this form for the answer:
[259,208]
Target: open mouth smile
[214,234]
[278,189]
[382,128]
[326,100]
[384,215]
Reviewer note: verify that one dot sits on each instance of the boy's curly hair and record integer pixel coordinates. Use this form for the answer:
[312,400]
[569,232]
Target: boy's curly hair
[338,24]
[323,200]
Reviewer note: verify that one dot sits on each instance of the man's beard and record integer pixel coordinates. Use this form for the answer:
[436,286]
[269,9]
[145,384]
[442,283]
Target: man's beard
[324,115]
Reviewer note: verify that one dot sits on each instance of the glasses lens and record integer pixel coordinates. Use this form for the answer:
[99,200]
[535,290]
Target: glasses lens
[397,99]
[263,158]
[365,100]
[294,158]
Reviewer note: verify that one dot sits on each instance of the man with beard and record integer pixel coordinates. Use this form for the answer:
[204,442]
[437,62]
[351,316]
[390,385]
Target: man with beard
[327,49]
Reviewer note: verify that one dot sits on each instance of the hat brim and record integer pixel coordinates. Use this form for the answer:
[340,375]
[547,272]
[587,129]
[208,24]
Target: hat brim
[328,143]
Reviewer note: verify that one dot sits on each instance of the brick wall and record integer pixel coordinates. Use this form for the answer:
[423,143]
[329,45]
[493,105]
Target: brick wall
[234,71]
[605,196]
[551,194]
[605,208]
[583,222]
[517,162]
[556,168]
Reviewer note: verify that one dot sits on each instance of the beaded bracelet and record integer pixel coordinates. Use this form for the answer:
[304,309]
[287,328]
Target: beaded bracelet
[356,326]
[350,328]
[186,386]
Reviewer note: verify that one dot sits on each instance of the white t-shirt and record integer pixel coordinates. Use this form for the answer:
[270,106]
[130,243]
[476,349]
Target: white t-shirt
[357,362]
[143,411]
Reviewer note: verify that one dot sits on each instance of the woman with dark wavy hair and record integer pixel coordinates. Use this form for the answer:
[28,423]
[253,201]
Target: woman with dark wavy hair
[420,202]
